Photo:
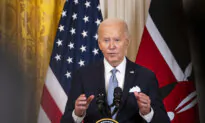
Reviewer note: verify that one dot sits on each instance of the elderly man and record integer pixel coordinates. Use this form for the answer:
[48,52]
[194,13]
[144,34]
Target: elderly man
[136,107]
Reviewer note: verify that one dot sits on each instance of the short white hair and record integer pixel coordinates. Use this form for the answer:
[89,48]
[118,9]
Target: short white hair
[116,20]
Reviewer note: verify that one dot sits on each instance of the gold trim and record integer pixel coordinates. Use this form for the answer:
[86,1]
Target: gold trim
[107,119]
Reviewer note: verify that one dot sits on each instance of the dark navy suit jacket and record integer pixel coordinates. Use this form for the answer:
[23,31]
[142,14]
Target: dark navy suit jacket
[89,79]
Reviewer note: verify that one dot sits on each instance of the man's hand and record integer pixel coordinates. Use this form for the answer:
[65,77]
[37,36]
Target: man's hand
[144,103]
[81,104]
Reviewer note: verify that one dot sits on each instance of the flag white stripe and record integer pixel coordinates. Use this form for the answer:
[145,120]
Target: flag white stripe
[188,98]
[42,117]
[190,105]
[188,71]
[164,50]
[56,90]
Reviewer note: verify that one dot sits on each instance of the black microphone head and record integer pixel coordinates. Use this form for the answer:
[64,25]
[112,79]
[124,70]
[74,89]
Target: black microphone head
[117,96]
[101,103]
[117,92]
[100,98]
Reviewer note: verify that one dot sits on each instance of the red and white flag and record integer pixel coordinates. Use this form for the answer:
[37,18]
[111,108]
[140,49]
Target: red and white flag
[164,49]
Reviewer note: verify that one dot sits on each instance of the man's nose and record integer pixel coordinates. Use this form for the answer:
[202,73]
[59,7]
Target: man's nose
[111,44]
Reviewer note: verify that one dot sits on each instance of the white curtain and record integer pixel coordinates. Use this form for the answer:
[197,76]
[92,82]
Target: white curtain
[134,12]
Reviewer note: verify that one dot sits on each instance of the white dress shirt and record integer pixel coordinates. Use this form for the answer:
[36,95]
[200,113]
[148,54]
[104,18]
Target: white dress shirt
[120,75]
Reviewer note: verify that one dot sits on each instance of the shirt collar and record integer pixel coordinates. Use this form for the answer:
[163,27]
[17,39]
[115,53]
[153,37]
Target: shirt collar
[120,67]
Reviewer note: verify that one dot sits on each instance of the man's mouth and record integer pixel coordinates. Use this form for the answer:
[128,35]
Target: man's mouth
[112,54]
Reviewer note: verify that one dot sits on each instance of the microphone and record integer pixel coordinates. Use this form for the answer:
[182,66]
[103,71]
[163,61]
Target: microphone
[117,99]
[101,103]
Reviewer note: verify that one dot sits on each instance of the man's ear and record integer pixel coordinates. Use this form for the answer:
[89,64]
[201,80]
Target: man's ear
[99,44]
[128,42]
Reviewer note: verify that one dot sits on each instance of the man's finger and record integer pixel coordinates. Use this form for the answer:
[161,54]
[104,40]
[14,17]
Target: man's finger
[90,98]
[142,94]
[82,108]
[137,96]
[82,97]
[82,103]
[144,100]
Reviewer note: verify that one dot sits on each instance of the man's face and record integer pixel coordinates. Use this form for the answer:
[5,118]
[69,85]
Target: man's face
[113,42]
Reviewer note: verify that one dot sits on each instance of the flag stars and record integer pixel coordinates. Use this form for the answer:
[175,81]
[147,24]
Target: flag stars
[61,28]
[98,21]
[81,63]
[84,33]
[71,45]
[86,19]
[72,31]
[83,48]
[74,16]
[58,57]
[98,7]
[76,2]
[68,74]
[87,4]
[64,13]
[96,36]
[95,51]
[70,60]
[59,42]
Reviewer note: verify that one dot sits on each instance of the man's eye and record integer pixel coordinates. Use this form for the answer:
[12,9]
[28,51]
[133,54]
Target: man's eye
[117,39]
[106,40]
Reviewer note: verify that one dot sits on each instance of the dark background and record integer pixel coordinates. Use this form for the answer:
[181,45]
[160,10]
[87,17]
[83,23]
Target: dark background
[195,15]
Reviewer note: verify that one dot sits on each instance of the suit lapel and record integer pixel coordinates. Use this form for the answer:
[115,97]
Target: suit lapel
[101,84]
[101,77]
[130,74]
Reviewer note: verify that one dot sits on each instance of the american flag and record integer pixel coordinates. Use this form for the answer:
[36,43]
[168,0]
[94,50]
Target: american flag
[75,46]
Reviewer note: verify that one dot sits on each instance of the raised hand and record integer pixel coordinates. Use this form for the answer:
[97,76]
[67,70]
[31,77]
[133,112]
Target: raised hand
[82,104]
[144,103]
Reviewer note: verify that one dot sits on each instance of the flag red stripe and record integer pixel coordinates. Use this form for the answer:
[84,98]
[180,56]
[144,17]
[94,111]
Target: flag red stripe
[50,107]
[150,57]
